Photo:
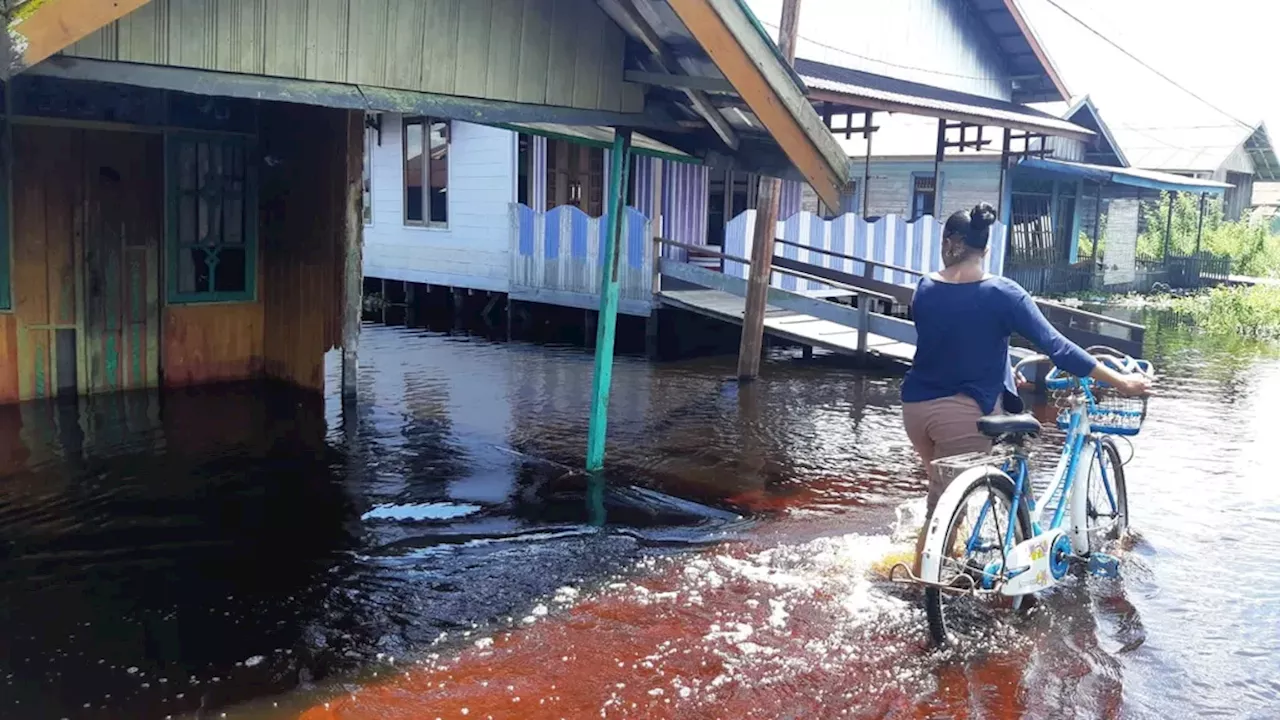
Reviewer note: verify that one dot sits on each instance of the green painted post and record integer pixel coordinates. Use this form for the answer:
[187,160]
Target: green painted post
[606,324]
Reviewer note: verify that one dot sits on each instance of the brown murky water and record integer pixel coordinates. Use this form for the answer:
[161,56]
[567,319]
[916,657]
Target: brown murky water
[244,552]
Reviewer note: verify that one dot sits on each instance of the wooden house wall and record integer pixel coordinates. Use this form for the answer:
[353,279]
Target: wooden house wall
[551,52]
[964,184]
[303,229]
[216,342]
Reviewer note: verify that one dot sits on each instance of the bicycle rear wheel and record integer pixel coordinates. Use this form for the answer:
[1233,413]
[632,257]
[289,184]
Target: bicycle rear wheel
[1108,498]
[959,555]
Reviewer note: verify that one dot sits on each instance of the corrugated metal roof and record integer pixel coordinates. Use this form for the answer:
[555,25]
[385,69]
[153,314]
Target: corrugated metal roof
[1201,148]
[1134,177]
[864,89]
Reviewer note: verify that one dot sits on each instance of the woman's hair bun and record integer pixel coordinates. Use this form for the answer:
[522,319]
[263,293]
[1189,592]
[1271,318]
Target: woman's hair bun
[982,216]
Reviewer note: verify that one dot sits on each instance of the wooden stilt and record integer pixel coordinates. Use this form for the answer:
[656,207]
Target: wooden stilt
[751,347]
[619,160]
[353,271]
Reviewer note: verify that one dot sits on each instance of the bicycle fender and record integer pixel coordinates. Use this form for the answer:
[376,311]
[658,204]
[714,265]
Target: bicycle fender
[936,526]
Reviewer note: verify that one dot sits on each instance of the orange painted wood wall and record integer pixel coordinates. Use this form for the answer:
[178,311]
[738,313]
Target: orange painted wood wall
[217,342]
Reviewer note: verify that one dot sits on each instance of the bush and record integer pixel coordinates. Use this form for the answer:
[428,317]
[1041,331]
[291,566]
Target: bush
[1253,249]
[1252,312]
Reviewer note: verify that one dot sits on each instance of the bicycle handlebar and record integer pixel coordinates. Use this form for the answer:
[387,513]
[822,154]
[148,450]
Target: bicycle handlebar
[1056,379]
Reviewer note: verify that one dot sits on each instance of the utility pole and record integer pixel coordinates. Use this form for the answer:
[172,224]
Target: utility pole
[752,346]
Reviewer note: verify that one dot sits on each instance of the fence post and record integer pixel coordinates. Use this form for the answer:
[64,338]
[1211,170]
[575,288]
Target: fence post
[864,313]
[608,320]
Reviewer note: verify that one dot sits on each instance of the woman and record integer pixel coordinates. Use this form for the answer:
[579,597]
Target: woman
[964,318]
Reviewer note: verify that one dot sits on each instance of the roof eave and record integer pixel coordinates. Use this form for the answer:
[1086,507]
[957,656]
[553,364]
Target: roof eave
[1042,55]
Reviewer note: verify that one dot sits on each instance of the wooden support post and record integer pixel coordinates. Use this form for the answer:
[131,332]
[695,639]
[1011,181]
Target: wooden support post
[752,346]
[1097,227]
[1168,227]
[353,249]
[939,152]
[651,324]
[1073,254]
[761,269]
[619,162]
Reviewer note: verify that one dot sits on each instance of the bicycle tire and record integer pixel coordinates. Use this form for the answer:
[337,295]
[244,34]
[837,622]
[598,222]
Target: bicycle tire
[933,598]
[1119,489]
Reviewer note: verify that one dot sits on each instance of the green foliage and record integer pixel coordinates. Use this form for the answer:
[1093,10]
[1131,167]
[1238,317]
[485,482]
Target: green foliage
[1253,249]
[1252,312]
[1086,242]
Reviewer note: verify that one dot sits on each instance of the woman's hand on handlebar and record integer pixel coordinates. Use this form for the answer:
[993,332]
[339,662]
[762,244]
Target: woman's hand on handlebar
[1131,382]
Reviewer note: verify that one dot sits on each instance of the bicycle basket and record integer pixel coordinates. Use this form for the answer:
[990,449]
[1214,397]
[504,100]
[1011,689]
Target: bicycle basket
[1112,415]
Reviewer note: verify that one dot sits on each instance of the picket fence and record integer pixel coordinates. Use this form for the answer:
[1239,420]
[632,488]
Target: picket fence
[555,258]
[890,239]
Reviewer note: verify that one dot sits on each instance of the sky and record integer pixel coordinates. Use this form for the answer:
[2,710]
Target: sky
[1224,50]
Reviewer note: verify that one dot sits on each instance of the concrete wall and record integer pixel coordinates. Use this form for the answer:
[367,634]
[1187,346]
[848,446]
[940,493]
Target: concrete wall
[474,251]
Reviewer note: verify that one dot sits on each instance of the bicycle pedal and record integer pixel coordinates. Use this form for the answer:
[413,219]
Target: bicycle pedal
[1104,565]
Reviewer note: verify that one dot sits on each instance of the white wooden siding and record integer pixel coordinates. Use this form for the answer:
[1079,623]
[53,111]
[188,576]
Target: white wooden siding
[474,251]
[964,184]
[938,42]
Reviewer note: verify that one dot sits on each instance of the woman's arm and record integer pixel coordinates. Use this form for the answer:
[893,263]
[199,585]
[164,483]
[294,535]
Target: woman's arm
[1029,322]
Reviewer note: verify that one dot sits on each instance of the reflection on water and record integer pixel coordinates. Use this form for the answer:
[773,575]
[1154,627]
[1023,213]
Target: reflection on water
[244,550]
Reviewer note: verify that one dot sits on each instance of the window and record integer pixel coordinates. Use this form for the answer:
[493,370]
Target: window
[212,219]
[370,135]
[426,172]
[923,193]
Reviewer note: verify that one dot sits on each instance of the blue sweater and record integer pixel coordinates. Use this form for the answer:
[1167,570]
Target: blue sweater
[963,346]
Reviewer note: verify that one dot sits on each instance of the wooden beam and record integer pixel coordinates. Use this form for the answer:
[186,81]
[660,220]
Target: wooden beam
[353,253]
[747,59]
[679,82]
[37,29]
[667,63]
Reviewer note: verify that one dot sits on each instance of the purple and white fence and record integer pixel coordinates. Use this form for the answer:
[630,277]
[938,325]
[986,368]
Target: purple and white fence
[891,239]
[556,258]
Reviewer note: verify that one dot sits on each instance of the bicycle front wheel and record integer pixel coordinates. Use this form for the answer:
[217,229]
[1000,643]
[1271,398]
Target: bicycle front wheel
[1107,511]
[976,518]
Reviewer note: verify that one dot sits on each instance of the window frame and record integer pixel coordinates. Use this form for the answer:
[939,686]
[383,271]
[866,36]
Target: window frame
[425,122]
[937,200]
[370,133]
[172,247]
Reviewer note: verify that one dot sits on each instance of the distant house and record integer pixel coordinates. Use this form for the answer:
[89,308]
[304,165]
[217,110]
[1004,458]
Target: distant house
[1229,153]
[1265,207]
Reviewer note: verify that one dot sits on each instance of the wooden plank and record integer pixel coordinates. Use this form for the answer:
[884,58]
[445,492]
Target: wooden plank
[143,35]
[535,54]
[367,42]
[35,148]
[505,38]
[240,29]
[405,20]
[192,33]
[327,39]
[211,343]
[587,66]
[9,390]
[353,248]
[612,66]
[440,38]
[38,30]
[474,20]
[285,54]
[561,60]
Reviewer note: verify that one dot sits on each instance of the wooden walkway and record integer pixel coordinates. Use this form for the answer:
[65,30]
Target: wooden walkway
[787,324]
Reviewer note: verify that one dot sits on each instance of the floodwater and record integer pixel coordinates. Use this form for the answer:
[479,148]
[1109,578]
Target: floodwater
[246,553]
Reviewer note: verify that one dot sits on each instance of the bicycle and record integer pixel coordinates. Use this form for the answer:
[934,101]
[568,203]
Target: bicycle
[1027,556]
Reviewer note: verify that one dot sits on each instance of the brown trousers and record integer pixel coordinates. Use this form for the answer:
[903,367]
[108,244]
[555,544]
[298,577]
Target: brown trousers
[942,428]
